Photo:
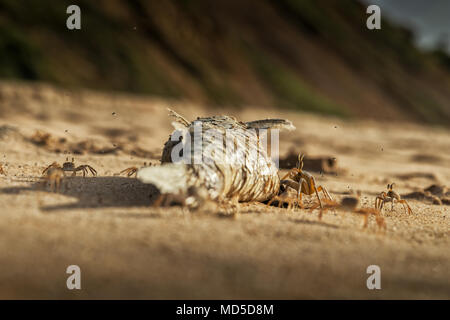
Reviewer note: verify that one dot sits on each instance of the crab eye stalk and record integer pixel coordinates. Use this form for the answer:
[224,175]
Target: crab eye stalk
[300,161]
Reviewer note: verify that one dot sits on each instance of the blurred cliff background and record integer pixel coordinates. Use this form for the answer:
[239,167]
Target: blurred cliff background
[308,55]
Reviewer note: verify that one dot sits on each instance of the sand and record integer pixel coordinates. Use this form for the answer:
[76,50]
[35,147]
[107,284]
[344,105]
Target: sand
[128,249]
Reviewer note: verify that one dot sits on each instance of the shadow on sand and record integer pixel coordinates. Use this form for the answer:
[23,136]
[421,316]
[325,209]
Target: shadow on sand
[315,223]
[96,192]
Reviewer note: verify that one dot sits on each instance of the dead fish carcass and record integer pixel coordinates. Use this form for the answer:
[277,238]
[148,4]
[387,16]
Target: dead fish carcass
[219,154]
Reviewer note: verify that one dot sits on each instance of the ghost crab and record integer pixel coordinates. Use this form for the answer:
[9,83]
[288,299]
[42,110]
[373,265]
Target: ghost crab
[286,195]
[350,204]
[70,166]
[304,183]
[131,170]
[391,196]
[53,176]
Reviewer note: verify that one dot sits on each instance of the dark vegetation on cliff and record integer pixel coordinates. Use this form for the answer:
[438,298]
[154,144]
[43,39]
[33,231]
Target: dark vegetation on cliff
[307,55]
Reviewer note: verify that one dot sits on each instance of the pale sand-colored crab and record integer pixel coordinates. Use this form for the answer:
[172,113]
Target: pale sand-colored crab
[304,183]
[53,176]
[391,196]
[70,166]
[350,204]
[131,170]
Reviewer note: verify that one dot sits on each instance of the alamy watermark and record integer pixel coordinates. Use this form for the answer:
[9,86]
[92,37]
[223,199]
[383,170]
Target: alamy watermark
[374,20]
[189,149]
[73,22]
[234,145]
[74,280]
[374,280]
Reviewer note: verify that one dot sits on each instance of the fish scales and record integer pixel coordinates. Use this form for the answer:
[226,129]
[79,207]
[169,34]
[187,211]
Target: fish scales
[231,162]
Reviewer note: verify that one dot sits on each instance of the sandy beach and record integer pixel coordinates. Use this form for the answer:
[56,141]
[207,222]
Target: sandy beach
[128,249]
